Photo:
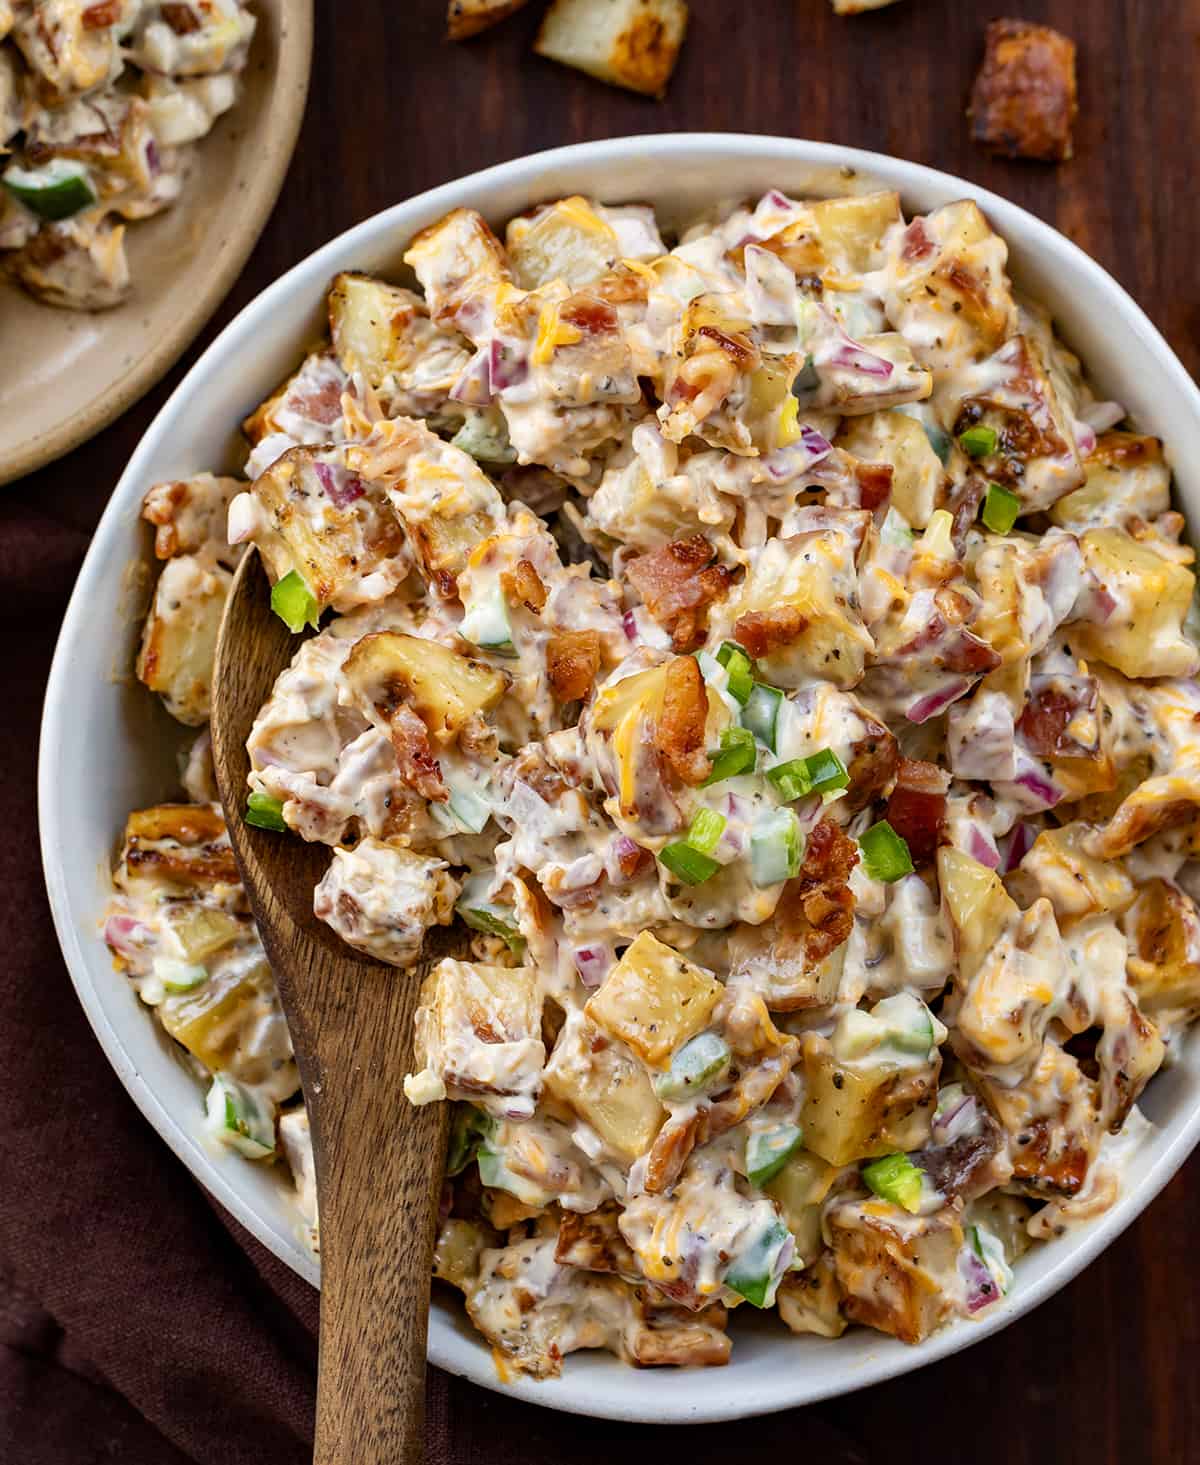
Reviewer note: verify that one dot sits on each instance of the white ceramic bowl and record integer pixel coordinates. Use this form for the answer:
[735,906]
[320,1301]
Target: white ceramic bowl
[107,747]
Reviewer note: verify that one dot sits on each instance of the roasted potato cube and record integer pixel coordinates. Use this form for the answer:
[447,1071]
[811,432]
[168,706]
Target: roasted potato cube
[1012,996]
[478,1030]
[382,899]
[368,323]
[811,1301]
[977,903]
[1076,884]
[853,1111]
[1013,394]
[1126,477]
[442,687]
[850,228]
[799,1190]
[812,579]
[179,639]
[896,1271]
[221,1022]
[601,1082]
[460,264]
[949,290]
[310,513]
[385,333]
[183,844]
[1163,928]
[567,241]
[654,1000]
[1024,101]
[460,1244]
[917,472]
[466,18]
[444,500]
[189,514]
[1143,637]
[629,43]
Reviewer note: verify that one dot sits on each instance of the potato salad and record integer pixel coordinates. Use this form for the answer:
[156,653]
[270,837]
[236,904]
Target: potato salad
[747,676]
[99,106]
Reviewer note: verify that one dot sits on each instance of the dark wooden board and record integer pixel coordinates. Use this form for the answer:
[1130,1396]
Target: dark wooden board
[1104,1373]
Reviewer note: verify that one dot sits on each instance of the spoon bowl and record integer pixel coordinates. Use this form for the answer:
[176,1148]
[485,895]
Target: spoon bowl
[379,1160]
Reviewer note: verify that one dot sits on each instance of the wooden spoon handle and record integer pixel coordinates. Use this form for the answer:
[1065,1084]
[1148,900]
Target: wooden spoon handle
[374,1308]
[380,1163]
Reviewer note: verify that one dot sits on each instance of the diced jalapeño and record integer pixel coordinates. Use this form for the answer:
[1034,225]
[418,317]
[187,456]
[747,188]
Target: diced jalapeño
[979,441]
[264,812]
[294,603]
[769,1150]
[895,1178]
[885,854]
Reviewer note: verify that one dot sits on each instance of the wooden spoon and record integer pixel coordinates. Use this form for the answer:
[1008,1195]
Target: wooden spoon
[379,1160]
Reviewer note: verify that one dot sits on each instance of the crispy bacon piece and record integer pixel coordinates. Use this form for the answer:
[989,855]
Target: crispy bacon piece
[572,661]
[822,890]
[181,18]
[1024,99]
[590,314]
[764,631]
[1054,702]
[107,12]
[594,1243]
[818,905]
[678,583]
[418,767]
[679,735]
[631,857]
[917,807]
[524,584]
[874,484]
[872,765]
[917,243]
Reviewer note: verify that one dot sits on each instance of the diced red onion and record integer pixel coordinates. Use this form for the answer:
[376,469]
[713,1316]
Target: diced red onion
[982,847]
[125,935]
[981,1285]
[1020,842]
[508,366]
[473,385]
[1038,786]
[929,706]
[341,487]
[593,963]
[852,357]
[784,464]
[629,625]
[153,160]
[1085,440]
[955,1122]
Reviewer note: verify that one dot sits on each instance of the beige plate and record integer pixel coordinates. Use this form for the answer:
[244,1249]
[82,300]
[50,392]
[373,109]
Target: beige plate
[66,374]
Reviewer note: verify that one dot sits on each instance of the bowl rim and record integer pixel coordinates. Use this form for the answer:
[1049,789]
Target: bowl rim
[650,1403]
[284,116]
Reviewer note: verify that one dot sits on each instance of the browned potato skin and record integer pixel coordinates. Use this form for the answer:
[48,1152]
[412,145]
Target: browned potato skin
[467,18]
[1024,99]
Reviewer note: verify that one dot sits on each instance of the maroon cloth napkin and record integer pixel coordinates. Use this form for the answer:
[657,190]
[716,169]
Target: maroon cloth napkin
[138,1322]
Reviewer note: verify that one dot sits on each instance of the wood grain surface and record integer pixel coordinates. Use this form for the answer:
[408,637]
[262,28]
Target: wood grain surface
[379,1160]
[1105,1371]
